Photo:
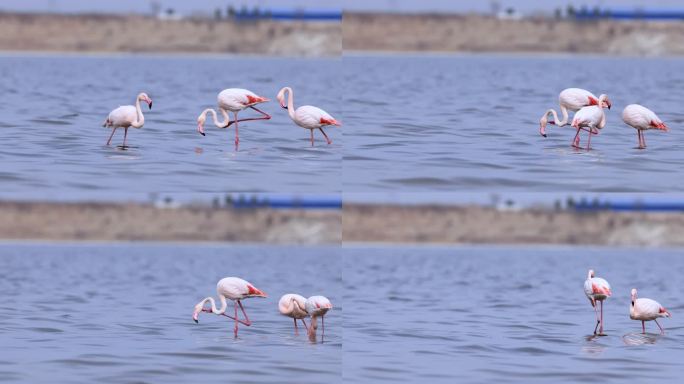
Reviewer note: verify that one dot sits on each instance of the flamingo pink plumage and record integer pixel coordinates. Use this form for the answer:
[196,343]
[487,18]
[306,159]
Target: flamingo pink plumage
[571,99]
[294,306]
[307,116]
[646,310]
[127,116]
[597,289]
[642,119]
[233,288]
[317,306]
[233,100]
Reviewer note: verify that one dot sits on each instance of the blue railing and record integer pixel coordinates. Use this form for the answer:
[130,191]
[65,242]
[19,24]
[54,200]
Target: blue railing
[289,15]
[630,206]
[631,15]
[285,202]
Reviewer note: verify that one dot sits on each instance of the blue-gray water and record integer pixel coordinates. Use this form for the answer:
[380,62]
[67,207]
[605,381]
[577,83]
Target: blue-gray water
[427,123]
[53,107]
[122,313]
[507,314]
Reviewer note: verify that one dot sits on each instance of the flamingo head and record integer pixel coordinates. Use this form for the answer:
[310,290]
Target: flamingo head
[281,98]
[200,123]
[634,295]
[196,312]
[143,97]
[605,101]
[542,126]
[591,274]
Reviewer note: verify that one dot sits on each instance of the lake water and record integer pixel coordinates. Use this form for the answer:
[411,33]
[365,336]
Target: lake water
[426,123]
[507,314]
[122,313]
[53,107]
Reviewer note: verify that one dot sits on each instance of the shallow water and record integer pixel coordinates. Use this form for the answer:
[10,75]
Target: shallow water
[507,314]
[122,313]
[53,107]
[426,123]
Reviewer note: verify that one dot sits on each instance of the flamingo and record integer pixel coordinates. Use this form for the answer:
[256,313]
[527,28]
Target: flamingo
[317,306]
[571,99]
[294,306]
[590,119]
[642,119]
[127,116]
[233,288]
[307,116]
[233,100]
[646,310]
[597,289]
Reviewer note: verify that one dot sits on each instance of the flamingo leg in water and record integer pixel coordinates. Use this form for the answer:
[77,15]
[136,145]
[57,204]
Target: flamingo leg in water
[576,140]
[601,328]
[237,137]
[588,146]
[598,321]
[643,139]
[236,319]
[658,324]
[296,330]
[305,326]
[112,135]
[326,136]
[247,323]
[125,134]
[322,327]
[312,141]
[643,326]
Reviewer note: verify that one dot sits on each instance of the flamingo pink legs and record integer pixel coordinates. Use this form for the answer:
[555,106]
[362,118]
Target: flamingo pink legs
[112,135]
[326,138]
[295,324]
[576,140]
[642,139]
[125,134]
[265,116]
[237,320]
[600,328]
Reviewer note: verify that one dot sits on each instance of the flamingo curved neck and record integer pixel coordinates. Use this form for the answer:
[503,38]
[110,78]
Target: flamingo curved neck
[290,102]
[226,118]
[214,310]
[140,118]
[556,120]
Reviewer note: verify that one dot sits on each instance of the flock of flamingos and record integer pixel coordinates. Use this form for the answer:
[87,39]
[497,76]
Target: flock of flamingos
[229,100]
[590,116]
[598,290]
[291,305]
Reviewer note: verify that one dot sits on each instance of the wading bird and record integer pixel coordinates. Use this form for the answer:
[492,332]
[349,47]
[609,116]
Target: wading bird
[571,99]
[646,310]
[642,119]
[294,306]
[317,306]
[590,119]
[233,288]
[233,100]
[597,289]
[127,116]
[307,116]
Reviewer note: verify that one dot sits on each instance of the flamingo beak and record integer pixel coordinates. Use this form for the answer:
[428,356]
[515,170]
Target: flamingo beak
[542,130]
[200,129]
[195,317]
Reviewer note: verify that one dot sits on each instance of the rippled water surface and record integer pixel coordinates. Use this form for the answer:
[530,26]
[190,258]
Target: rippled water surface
[500,314]
[53,107]
[122,313]
[471,122]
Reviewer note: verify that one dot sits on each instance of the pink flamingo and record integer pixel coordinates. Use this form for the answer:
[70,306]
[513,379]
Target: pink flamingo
[127,116]
[317,306]
[307,116]
[233,100]
[597,289]
[642,119]
[572,99]
[294,306]
[646,310]
[590,119]
[233,288]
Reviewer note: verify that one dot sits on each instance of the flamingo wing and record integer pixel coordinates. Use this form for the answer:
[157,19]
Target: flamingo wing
[641,117]
[576,98]
[647,308]
[123,116]
[587,117]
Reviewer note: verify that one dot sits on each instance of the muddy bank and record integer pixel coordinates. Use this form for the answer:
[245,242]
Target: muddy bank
[138,34]
[476,33]
[142,222]
[474,224]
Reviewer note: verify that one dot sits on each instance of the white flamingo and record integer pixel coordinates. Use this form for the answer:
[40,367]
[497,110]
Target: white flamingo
[127,116]
[294,306]
[317,306]
[233,100]
[642,119]
[596,289]
[307,116]
[646,310]
[233,288]
[571,99]
[590,119]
